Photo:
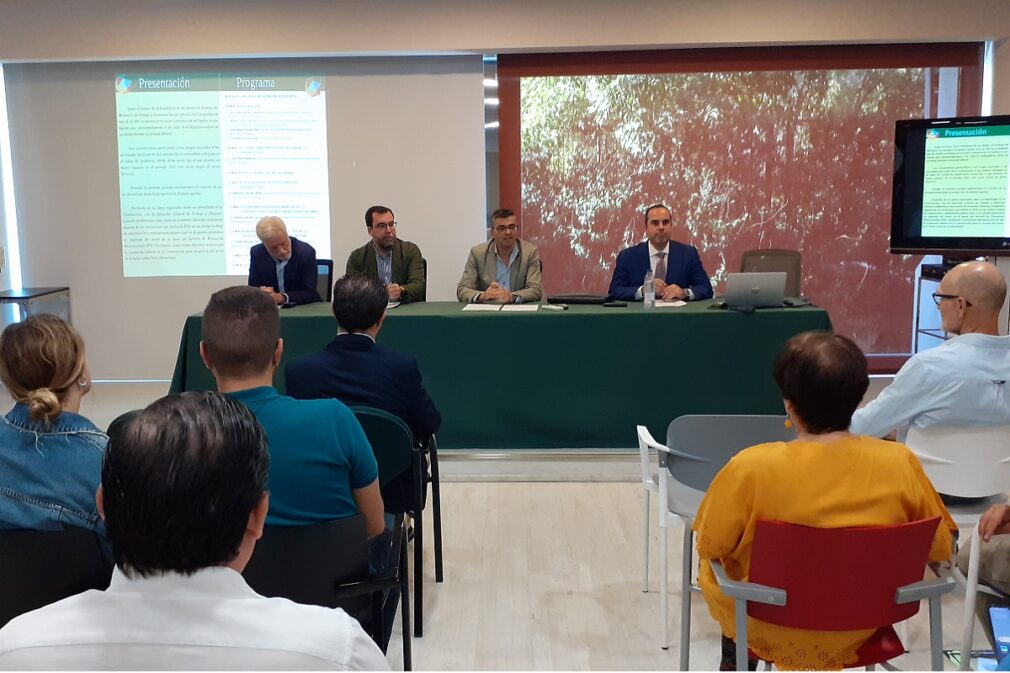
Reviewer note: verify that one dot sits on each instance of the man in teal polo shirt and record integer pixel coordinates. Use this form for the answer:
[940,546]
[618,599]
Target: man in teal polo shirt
[321,465]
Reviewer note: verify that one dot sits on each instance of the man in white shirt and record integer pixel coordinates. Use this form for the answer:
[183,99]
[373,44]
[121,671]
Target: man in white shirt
[962,382]
[184,500]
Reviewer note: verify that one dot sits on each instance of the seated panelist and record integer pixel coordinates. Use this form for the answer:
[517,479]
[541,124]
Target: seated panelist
[505,269]
[282,266]
[676,266]
[397,263]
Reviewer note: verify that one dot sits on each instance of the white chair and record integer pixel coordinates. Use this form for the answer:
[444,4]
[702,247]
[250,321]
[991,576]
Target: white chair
[967,462]
[697,447]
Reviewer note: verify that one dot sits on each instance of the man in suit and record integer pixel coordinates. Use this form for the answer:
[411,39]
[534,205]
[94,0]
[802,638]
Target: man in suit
[283,267]
[505,269]
[398,264]
[356,370]
[676,266]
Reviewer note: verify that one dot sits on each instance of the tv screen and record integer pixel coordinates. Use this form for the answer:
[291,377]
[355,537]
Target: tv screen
[951,186]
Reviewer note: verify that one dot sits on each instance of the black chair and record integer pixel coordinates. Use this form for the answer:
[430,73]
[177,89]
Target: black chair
[324,279]
[39,567]
[424,265]
[396,452]
[327,564]
[775,259]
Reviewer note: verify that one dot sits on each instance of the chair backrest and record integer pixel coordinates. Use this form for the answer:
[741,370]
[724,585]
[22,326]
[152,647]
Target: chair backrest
[306,563]
[775,259]
[838,579]
[391,439]
[966,462]
[424,266]
[702,444]
[324,279]
[39,567]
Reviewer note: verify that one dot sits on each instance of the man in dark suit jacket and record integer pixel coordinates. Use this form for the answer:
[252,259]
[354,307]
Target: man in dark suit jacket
[282,266]
[357,371]
[684,278]
[397,263]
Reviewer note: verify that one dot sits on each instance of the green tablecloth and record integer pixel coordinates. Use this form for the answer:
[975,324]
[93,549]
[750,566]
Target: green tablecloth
[579,378]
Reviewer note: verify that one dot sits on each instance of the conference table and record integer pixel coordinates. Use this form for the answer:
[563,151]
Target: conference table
[579,378]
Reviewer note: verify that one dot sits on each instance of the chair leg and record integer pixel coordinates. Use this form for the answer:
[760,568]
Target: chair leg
[418,572]
[741,635]
[665,587]
[685,597]
[408,664]
[436,501]
[645,572]
[936,636]
[970,595]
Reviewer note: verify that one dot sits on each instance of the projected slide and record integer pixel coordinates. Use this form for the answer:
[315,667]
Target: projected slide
[966,182]
[203,157]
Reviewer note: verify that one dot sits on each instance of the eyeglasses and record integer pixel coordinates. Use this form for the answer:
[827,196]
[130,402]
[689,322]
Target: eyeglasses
[938,297]
[383,226]
[502,228]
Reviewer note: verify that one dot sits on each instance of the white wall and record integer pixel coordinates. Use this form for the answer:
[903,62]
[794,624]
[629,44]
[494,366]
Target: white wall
[407,133]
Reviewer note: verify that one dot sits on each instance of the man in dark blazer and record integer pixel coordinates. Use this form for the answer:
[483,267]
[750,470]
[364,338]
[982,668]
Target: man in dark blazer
[684,277]
[397,263]
[356,370]
[282,266]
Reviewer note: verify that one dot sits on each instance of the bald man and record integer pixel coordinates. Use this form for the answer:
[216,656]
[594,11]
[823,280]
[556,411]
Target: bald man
[963,381]
[282,266]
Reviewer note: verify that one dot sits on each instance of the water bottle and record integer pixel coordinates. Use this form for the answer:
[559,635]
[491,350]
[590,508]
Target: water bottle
[649,290]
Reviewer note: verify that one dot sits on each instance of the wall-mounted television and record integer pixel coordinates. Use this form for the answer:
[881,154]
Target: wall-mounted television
[951,186]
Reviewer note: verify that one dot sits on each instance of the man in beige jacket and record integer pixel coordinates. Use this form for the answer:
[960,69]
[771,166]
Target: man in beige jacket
[504,270]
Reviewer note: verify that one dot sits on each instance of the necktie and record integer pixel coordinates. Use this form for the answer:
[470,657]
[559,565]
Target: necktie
[661,266]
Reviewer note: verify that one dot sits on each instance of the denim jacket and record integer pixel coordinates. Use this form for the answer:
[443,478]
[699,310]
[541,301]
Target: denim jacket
[49,473]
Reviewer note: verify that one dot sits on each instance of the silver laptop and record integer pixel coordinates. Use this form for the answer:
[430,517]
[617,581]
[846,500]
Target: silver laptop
[748,291]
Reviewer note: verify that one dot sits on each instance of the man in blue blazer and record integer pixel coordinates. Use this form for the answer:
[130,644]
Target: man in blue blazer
[356,370]
[684,276]
[282,266]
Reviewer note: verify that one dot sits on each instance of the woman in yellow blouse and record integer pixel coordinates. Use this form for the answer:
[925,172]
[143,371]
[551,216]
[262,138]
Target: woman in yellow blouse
[826,477]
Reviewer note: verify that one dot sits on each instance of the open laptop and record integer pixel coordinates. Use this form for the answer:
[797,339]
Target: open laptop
[748,291]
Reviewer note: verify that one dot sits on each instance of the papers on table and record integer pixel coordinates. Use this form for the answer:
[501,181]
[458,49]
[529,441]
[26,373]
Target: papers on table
[500,307]
[670,304]
[392,304]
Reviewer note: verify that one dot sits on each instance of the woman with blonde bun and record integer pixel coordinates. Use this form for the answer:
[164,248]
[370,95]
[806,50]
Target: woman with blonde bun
[50,455]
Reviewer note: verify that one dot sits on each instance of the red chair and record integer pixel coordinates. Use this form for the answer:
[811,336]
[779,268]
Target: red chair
[840,579]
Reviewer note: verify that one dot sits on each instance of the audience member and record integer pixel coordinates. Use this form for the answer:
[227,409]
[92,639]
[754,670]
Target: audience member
[961,382]
[397,263]
[356,370]
[322,466]
[503,270]
[184,499]
[827,477]
[282,266]
[50,455]
[676,266]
